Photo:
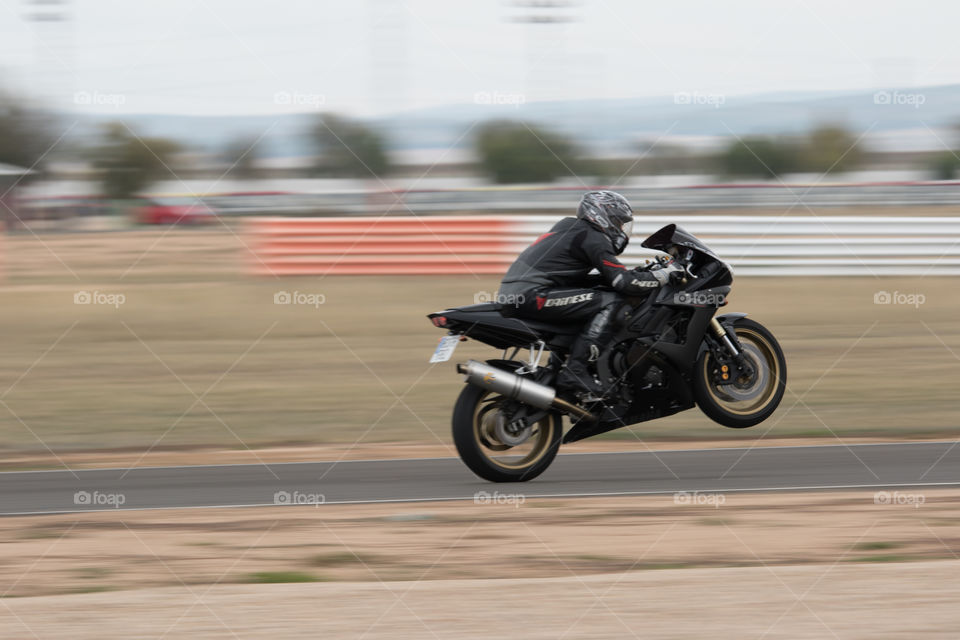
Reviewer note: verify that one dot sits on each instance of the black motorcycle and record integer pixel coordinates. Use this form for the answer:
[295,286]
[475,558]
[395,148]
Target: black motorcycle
[667,354]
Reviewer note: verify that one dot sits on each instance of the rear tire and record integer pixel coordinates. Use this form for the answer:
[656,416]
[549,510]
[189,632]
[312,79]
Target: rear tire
[750,403]
[472,415]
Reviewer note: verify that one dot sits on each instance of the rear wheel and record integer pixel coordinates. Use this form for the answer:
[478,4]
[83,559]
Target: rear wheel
[495,454]
[748,400]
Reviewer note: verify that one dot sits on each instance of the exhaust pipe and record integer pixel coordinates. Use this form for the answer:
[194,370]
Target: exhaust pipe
[516,387]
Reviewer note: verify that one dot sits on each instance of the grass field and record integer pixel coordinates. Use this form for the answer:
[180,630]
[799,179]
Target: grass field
[197,354]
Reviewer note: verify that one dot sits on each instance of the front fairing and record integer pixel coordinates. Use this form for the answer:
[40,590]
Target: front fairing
[673,235]
[706,266]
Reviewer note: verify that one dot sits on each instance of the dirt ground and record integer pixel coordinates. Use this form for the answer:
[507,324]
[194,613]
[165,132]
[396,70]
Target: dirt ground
[199,360]
[880,602]
[219,365]
[797,565]
[505,536]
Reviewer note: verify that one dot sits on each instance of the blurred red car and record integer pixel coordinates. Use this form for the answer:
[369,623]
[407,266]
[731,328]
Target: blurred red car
[174,210]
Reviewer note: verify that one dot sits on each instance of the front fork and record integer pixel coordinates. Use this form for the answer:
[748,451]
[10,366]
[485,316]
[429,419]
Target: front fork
[728,339]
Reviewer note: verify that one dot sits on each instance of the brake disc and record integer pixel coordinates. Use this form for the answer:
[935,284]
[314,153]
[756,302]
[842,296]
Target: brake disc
[510,437]
[745,390]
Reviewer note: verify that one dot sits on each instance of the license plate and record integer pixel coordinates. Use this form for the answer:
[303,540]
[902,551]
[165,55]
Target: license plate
[445,349]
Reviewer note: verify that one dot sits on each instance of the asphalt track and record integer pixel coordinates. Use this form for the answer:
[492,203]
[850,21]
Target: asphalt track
[826,467]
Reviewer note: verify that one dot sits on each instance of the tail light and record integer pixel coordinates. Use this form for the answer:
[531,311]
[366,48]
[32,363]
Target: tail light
[439,321]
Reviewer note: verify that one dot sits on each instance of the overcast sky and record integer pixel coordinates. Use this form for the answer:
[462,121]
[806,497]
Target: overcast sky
[376,56]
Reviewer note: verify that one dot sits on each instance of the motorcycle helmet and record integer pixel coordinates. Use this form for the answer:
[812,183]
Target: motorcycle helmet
[609,212]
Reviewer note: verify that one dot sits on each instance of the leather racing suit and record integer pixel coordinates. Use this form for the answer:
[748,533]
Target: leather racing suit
[550,281]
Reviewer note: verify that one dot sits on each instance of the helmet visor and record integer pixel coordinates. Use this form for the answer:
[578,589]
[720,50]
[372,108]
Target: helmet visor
[627,228]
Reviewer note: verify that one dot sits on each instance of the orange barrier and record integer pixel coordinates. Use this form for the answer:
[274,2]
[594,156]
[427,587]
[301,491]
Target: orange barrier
[361,246]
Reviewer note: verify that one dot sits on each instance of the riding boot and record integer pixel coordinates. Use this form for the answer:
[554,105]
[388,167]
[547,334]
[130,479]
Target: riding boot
[575,377]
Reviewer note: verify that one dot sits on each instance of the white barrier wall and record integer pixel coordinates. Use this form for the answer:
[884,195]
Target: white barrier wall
[805,245]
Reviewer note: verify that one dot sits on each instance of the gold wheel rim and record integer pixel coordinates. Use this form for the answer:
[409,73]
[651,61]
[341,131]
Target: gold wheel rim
[757,397]
[483,420]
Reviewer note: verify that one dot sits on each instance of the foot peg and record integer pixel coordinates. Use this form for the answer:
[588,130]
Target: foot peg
[589,397]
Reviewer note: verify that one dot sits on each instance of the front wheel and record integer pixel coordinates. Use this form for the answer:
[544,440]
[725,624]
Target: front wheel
[492,453]
[747,400]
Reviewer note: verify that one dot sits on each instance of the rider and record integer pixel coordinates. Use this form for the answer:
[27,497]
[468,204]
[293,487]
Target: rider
[549,281]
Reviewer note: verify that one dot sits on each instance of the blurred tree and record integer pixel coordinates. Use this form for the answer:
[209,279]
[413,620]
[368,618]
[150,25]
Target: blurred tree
[129,164]
[944,166]
[240,156]
[26,133]
[348,148]
[829,149]
[759,156]
[512,152]
[658,157]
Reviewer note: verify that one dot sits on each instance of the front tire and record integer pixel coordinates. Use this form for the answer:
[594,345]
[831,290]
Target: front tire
[474,424]
[750,401]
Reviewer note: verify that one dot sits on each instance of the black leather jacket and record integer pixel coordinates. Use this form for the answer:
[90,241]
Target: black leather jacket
[565,255]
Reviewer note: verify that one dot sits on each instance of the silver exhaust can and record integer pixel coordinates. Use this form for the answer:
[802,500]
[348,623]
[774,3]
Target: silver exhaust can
[508,384]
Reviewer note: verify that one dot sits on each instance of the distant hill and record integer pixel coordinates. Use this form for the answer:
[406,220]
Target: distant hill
[608,126]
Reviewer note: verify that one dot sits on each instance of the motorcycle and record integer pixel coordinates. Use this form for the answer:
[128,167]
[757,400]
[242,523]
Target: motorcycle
[668,353]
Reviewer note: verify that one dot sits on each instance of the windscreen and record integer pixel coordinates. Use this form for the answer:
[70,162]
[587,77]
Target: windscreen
[674,235]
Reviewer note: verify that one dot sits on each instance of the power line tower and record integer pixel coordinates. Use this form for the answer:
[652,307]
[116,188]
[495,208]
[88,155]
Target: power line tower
[388,54]
[545,35]
[53,32]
